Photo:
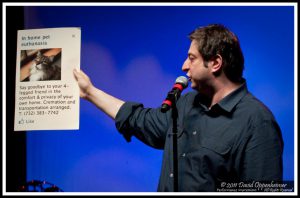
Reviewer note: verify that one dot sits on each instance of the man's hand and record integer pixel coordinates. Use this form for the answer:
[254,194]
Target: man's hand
[84,83]
[105,102]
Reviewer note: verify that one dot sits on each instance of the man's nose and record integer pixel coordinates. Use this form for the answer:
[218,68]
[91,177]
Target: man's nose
[185,66]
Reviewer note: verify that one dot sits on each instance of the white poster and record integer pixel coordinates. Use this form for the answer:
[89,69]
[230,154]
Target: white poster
[47,94]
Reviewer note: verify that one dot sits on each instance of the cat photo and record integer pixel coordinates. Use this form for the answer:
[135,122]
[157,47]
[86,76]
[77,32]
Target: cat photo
[44,67]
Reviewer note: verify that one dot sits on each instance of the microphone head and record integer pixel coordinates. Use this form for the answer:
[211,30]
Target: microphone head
[183,81]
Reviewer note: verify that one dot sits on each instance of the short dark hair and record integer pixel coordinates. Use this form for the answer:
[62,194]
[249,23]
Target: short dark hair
[217,39]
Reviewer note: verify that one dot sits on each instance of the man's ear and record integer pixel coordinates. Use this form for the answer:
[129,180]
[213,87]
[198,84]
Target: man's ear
[216,64]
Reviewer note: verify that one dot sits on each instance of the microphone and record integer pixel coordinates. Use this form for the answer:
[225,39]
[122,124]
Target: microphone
[180,84]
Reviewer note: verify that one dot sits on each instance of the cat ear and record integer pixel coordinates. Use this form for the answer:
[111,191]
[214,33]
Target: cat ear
[39,53]
[51,58]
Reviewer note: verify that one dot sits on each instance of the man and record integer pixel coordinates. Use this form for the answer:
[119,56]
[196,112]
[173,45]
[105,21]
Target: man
[224,133]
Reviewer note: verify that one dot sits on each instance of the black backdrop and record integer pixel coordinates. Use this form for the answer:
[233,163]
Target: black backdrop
[15,141]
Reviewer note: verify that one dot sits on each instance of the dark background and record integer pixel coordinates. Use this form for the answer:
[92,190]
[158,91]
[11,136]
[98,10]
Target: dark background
[15,141]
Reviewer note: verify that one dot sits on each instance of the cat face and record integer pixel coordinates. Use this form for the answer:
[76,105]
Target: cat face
[42,62]
[44,69]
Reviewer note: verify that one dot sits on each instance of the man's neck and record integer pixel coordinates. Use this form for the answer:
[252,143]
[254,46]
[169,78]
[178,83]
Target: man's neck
[220,90]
